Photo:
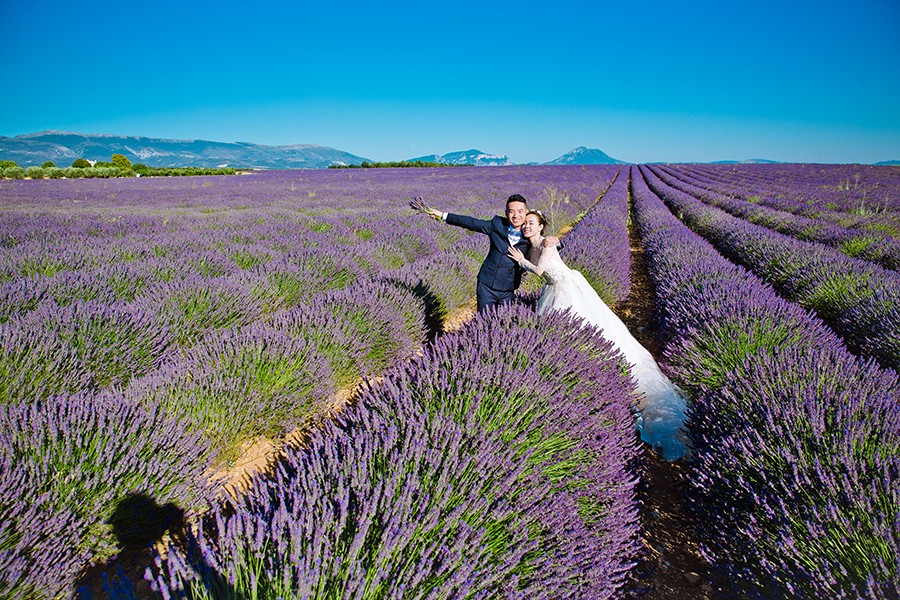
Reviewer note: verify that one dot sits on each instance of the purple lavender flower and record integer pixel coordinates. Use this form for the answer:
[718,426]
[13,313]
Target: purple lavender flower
[69,462]
[487,467]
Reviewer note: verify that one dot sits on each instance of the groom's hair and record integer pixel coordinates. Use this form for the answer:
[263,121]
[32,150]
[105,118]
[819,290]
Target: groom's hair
[517,198]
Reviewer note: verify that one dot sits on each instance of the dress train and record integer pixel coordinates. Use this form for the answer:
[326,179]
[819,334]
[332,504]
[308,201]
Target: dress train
[662,404]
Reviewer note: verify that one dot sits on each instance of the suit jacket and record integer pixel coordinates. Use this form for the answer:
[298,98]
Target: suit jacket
[498,271]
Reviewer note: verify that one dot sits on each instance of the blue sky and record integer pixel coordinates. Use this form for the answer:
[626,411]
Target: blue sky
[650,81]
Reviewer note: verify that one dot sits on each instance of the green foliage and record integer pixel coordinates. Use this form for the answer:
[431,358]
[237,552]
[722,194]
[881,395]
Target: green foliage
[37,364]
[14,173]
[121,161]
[319,226]
[722,346]
[119,166]
[34,172]
[857,245]
[145,171]
[397,165]
[101,172]
[831,296]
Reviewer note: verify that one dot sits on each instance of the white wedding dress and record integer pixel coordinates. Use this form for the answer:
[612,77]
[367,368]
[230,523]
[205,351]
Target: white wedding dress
[662,404]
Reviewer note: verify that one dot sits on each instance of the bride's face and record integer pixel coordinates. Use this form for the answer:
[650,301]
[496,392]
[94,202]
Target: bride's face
[532,226]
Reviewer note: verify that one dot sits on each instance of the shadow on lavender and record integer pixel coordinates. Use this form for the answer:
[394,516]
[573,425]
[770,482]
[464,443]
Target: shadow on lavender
[138,520]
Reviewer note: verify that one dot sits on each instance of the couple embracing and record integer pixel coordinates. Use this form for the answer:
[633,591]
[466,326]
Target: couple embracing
[518,244]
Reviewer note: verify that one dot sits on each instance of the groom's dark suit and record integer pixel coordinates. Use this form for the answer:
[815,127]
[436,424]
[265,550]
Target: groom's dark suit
[499,275]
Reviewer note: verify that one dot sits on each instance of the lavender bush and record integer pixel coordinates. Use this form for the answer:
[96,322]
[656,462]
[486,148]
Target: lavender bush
[68,463]
[298,275]
[810,274]
[239,384]
[114,341]
[35,363]
[598,245]
[490,466]
[192,307]
[819,496]
[869,244]
[444,282]
[792,433]
[366,327]
[863,197]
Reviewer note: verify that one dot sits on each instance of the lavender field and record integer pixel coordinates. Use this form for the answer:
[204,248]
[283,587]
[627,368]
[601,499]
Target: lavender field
[152,328]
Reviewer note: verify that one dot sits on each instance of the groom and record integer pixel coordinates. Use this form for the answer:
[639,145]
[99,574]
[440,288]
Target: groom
[499,275]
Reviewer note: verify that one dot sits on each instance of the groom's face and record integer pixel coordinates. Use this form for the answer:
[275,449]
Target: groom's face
[515,212]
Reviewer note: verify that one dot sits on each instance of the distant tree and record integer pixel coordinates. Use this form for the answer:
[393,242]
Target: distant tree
[121,162]
[34,172]
[7,163]
[49,165]
[14,173]
[81,163]
[55,173]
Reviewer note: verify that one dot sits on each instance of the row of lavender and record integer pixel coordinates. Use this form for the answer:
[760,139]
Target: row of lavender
[500,463]
[795,471]
[857,196]
[104,273]
[270,232]
[855,297]
[240,373]
[599,247]
[881,247]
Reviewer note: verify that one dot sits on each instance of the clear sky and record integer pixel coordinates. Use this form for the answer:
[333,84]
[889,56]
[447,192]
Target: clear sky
[645,81]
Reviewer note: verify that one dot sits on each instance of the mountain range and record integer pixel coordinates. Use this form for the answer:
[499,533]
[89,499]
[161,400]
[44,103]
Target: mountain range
[64,147]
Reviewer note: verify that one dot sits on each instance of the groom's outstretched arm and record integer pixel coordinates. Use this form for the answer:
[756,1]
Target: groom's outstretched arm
[467,222]
[418,203]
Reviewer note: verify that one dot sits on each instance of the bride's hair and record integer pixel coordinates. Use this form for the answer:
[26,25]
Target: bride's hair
[541,218]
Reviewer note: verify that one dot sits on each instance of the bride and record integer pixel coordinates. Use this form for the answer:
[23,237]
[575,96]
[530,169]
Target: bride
[662,404]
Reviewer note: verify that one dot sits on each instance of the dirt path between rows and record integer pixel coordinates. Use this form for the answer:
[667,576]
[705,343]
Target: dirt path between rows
[670,565]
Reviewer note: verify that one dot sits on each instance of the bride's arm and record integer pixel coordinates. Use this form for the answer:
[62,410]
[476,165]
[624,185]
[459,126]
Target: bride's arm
[516,255]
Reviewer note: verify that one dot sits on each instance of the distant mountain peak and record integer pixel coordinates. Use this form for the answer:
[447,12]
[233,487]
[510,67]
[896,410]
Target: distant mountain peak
[585,156]
[466,157]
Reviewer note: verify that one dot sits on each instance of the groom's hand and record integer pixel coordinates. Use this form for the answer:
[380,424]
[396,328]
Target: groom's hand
[418,204]
[550,242]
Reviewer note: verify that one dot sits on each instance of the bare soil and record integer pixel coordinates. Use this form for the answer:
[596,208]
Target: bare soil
[670,564]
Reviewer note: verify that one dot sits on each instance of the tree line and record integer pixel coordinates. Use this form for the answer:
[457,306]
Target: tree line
[398,164]
[118,166]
